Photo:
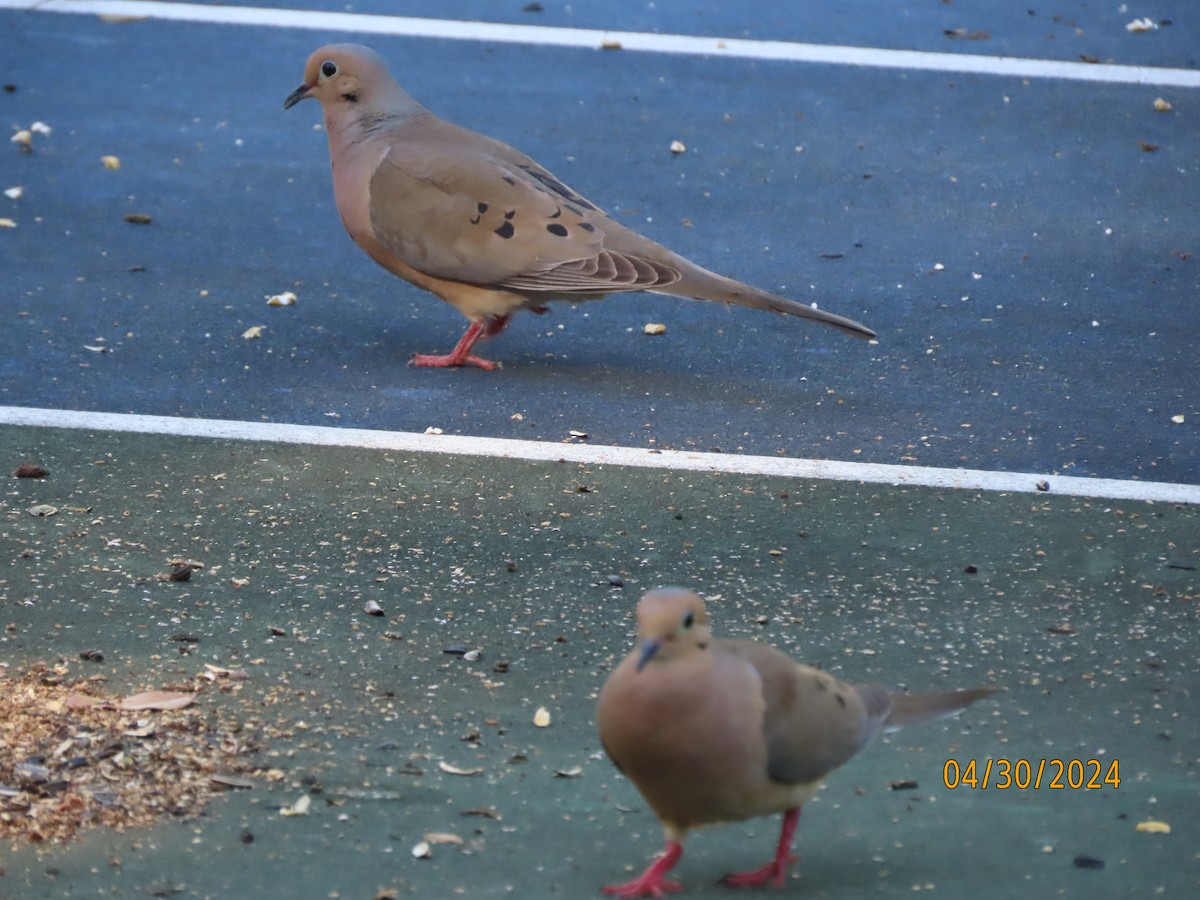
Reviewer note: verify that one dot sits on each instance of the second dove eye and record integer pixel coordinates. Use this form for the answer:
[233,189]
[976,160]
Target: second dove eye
[328,69]
[689,620]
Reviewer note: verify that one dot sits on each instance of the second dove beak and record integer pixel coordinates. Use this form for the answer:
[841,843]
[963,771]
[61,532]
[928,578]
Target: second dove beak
[650,646]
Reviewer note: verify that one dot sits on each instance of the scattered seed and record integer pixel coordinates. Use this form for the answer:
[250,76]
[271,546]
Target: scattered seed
[541,718]
[573,772]
[1151,826]
[371,608]
[654,328]
[1043,485]
[455,770]
[138,219]
[299,808]
[422,850]
[43,510]
[111,163]
[92,656]
[30,471]
[1088,862]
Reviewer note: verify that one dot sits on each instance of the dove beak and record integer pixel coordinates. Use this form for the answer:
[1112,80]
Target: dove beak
[650,646]
[300,93]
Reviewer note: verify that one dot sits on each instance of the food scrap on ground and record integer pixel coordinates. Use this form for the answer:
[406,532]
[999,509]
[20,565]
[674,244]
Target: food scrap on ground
[73,757]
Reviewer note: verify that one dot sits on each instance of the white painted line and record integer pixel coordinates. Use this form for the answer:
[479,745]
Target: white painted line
[590,454]
[495,32]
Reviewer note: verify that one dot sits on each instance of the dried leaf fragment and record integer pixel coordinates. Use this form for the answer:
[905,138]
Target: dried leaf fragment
[1139,26]
[610,45]
[30,471]
[6,222]
[158,700]
[112,163]
[287,298]
[541,718]
[14,193]
[43,510]
[254,332]
[442,837]
[678,147]
[138,218]
[1178,420]
[1161,105]
[654,328]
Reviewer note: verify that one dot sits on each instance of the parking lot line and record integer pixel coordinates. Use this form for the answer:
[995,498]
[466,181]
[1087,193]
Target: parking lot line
[590,454]
[875,57]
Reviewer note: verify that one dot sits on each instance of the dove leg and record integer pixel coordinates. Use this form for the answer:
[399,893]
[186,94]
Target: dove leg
[461,354]
[774,872]
[650,883]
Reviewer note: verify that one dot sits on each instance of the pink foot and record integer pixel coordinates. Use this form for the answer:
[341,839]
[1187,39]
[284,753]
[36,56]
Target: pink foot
[650,883]
[461,354]
[773,873]
[450,360]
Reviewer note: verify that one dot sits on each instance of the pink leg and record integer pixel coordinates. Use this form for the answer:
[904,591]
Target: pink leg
[774,872]
[461,354]
[650,883]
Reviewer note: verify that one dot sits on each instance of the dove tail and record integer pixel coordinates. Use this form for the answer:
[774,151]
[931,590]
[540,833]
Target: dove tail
[913,709]
[702,284]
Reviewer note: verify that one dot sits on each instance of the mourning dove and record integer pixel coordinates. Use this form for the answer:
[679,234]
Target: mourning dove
[713,730]
[479,224]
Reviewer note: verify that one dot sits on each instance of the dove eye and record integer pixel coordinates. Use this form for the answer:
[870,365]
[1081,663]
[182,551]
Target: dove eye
[689,620]
[328,68]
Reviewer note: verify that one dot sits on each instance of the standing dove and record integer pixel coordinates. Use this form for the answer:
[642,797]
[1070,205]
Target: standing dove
[479,224]
[713,730]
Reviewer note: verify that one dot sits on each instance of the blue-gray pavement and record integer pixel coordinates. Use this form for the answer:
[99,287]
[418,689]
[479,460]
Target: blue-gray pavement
[1056,338]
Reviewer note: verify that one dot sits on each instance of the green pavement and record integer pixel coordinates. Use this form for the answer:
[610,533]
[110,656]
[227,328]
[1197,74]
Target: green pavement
[1085,611]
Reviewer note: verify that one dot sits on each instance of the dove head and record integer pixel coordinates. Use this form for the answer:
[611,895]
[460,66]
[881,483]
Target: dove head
[672,623]
[349,77]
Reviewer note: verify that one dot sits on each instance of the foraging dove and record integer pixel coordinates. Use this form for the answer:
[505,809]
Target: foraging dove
[479,224]
[713,730]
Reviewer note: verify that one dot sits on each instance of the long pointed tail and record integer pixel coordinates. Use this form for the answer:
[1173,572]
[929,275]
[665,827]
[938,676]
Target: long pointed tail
[702,284]
[913,709]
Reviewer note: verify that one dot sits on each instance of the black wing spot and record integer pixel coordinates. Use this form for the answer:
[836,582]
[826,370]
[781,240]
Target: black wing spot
[557,212]
[506,230]
[482,207]
[509,179]
[509,213]
[475,220]
[555,228]
[587,226]
[841,700]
